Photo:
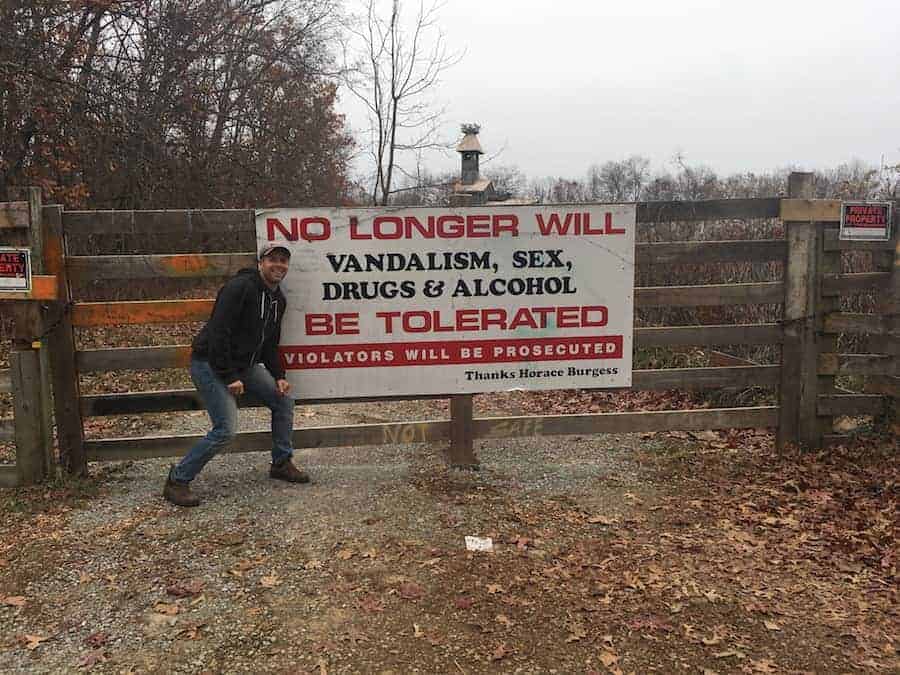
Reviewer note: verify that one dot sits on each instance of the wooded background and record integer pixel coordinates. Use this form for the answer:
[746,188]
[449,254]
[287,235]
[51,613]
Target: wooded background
[141,104]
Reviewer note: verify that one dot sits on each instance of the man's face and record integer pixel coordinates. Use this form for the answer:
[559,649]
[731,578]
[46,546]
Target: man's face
[274,267]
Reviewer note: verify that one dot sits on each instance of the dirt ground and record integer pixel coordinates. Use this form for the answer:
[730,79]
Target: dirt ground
[641,553]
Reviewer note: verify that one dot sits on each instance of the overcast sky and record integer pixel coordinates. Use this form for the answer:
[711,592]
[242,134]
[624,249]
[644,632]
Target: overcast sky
[737,86]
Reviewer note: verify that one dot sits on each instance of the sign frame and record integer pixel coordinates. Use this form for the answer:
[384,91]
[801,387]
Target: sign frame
[851,231]
[526,303]
[10,283]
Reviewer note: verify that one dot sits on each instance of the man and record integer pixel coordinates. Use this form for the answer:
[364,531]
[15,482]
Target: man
[237,352]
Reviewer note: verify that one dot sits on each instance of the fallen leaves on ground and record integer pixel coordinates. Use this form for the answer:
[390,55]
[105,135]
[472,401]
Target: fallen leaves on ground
[92,658]
[166,608]
[411,591]
[186,589]
[32,642]
[500,652]
[724,557]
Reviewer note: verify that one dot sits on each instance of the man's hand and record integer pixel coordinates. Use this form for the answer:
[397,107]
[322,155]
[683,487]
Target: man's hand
[283,387]
[236,388]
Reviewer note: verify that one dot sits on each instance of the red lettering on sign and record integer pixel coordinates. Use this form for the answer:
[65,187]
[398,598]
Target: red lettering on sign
[328,324]
[12,268]
[307,229]
[866,215]
[451,226]
[576,224]
[465,320]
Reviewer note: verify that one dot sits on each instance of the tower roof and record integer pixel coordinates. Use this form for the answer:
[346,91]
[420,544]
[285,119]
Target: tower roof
[470,143]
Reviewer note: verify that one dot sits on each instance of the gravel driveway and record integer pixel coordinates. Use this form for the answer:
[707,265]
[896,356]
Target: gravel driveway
[132,583]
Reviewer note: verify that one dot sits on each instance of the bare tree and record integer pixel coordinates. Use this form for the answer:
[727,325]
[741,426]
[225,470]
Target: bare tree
[393,69]
[508,180]
[621,181]
[859,180]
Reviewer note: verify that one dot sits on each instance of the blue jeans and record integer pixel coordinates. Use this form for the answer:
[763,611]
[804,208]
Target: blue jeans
[223,413]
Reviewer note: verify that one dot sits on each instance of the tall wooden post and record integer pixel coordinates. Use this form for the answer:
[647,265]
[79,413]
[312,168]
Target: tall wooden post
[462,433]
[798,422]
[889,385]
[61,348]
[28,410]
[462,426]
[826,303]
[893,346]
[30,365]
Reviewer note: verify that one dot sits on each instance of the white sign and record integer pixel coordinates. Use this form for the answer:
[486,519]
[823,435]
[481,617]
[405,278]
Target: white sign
[866,221]
[451,301]
[15,269]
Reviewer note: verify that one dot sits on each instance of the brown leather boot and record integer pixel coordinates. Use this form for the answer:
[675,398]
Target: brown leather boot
[286,471]
[180,493]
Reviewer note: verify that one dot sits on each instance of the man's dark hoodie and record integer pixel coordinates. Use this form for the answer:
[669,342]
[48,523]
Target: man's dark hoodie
[244,328]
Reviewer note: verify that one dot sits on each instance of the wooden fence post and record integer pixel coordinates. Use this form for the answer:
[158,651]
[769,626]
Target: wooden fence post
[462,432]
[893,346]
[31,376]
[889,385]
[61,348]
[798,422]
[826,303]
[28,410]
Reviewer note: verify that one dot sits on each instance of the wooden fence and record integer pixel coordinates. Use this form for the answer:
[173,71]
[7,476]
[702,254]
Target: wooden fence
[808,331]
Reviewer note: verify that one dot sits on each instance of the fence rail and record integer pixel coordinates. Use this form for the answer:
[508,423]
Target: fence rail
[191,265]
[43,287]
[835,284]
[178,356]
[691,379]
[181,222]
[851,404]
[439,430]
[131,312]
[859,364]
[872,324]
[833,243]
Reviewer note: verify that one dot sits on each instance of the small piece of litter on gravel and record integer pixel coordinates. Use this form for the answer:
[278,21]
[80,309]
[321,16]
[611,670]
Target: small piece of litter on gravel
[479,544]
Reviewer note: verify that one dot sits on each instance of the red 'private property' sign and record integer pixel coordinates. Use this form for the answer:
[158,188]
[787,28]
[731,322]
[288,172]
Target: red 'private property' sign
[866,221]
[15,269]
